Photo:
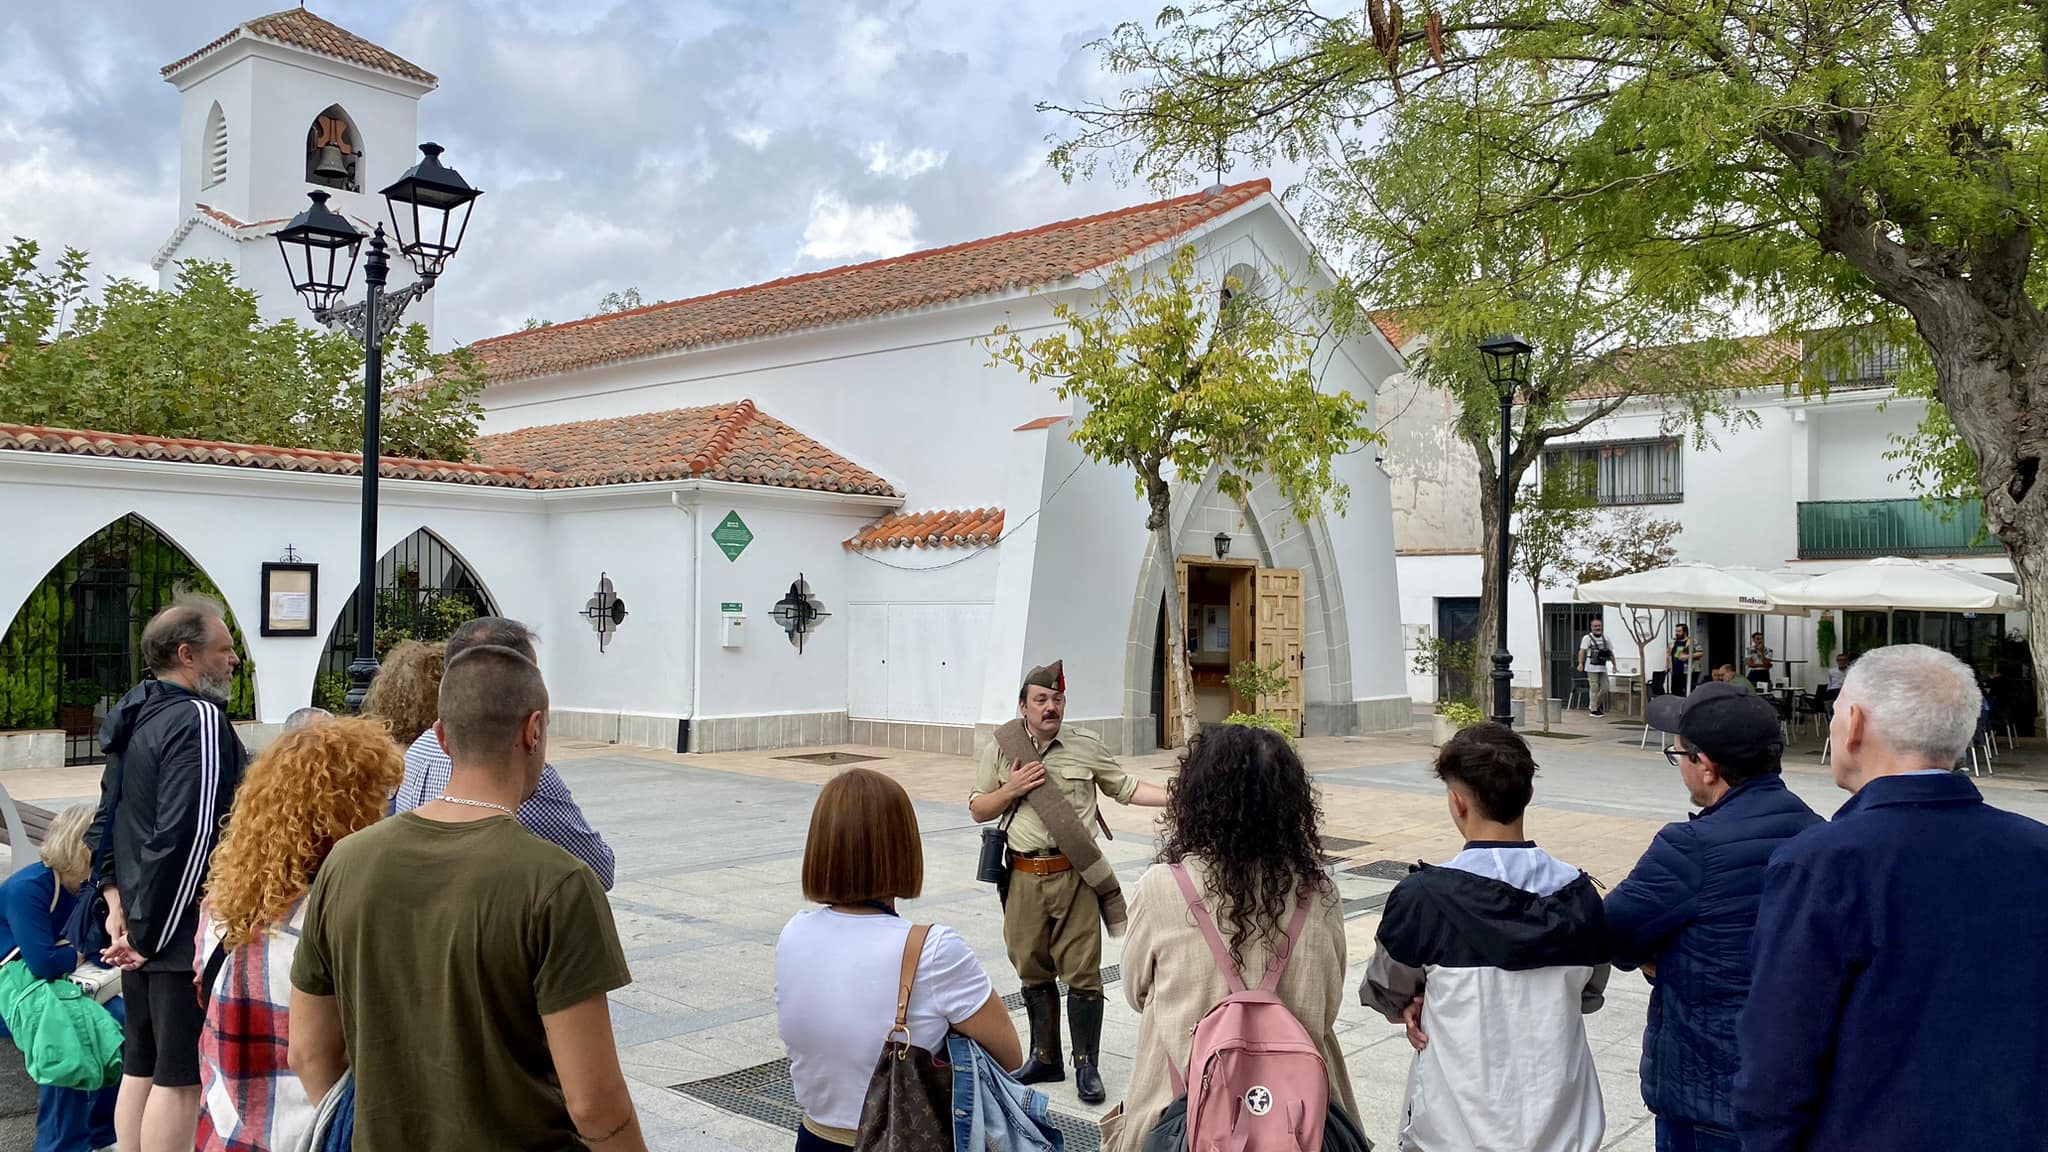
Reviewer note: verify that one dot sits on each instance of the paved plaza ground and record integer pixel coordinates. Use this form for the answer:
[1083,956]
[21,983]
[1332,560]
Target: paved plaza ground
[708,859]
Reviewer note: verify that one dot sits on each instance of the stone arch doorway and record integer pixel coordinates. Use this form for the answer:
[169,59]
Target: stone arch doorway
[1264,534]
[425,590]
[74,647]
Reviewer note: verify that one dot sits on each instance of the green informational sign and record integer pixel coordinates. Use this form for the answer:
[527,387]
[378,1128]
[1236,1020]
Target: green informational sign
[732,535]
[731,606]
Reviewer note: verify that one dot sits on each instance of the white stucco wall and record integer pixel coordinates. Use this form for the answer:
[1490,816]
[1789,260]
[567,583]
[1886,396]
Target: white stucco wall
[921,625]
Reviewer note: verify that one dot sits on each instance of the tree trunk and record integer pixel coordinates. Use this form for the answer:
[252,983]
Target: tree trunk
[1160,521]
[1542,663]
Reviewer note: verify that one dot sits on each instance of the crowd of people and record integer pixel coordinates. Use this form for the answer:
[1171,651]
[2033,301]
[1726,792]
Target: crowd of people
[398,933]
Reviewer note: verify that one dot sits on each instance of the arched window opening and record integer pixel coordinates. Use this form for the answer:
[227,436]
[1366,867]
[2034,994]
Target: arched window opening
[216,148]
[334,151]
[75,647]
[424,592]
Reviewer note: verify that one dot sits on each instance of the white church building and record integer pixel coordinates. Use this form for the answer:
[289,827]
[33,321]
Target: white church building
[827,516]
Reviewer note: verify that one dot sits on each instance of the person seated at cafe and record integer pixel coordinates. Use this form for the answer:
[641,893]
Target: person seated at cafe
[1756,662]
[1725,674]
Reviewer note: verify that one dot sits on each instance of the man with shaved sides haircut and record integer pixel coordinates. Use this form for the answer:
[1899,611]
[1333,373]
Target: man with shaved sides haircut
[458,963]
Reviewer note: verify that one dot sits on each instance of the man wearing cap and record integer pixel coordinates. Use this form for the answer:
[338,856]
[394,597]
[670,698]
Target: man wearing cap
[1685,915]
[1061,891]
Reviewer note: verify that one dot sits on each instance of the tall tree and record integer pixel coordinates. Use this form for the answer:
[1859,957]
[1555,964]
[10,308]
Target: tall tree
[1555,519]
[198,361]
[1180,374]
[1841,161]
[1623,544]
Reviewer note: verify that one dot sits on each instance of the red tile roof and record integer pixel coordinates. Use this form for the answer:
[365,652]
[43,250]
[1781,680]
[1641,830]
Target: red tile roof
[731,442]
[1041,422]
[1041,255]
[301,29]
[1393,324]
[734,442]
[30,438]
[1763,361]
[964,528]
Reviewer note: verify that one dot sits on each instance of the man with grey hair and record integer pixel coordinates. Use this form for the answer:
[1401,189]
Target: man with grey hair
[1900,992]
[173,763]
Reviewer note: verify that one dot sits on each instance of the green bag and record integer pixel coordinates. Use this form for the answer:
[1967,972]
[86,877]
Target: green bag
[65,1037]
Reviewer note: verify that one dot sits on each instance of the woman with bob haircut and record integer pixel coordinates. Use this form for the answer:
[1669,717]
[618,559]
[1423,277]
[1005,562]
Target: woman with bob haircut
[35,904]
[406,695]
[306,791]
[1241,819]
[837,966]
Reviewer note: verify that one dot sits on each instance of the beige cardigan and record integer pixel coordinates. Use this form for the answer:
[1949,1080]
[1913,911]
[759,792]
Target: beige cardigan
[1172,981]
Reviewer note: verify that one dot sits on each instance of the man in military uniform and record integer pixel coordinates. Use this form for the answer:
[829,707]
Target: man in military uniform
[1052,917]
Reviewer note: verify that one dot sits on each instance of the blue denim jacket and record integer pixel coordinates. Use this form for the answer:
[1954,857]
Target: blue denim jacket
[991,1111]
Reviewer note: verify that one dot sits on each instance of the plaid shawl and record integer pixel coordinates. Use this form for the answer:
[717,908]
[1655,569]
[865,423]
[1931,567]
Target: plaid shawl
[253,1102]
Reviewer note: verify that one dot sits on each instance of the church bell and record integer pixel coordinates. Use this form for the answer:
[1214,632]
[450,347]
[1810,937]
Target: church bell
[330,165]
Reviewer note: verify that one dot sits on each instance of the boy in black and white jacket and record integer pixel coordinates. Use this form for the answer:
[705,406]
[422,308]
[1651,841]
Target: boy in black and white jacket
[1492,959]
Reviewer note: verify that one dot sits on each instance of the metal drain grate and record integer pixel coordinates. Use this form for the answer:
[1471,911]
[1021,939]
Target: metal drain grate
[1340,844]
[1110,975]
[765,1093]
[832,758]
[1364,904]
[1395,870]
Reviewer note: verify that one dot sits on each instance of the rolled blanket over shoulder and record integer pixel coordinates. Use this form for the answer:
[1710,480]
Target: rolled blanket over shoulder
[1075,842]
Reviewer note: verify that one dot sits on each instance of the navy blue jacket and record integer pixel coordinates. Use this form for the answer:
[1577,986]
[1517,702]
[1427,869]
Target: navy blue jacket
[1690,906]
[27,923]
[1900,998]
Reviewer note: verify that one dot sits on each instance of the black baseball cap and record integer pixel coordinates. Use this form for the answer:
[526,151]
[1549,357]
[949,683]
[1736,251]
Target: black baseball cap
[1722,721]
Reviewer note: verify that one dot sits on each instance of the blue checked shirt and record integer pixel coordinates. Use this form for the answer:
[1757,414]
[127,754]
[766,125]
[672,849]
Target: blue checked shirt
[550,813]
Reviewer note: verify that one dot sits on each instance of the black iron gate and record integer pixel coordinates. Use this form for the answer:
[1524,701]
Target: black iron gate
[424,592]
[75,645]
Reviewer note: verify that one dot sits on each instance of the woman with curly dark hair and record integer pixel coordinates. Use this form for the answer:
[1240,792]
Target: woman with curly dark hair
[1241,820]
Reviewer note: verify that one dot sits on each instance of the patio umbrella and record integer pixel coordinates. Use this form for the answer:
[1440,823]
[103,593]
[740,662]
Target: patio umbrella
[1893,582]
[1690,588]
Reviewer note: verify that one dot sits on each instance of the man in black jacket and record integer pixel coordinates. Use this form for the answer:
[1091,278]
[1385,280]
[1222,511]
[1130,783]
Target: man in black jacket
[173,762]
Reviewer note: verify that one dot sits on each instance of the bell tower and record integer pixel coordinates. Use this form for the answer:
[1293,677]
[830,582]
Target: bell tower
[279,106]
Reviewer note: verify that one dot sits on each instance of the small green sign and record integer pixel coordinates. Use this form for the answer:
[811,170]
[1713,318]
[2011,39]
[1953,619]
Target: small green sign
[732,535]
[731,606]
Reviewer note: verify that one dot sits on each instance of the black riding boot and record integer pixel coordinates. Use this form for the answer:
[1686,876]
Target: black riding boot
[1084,1016]
[1042,1065]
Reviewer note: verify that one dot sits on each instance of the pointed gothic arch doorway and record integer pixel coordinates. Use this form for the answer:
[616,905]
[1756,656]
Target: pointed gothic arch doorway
[424,592]
[75,646]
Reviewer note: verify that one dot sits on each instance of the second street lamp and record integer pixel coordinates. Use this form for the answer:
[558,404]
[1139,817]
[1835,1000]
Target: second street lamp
[1507,367]
[429,208]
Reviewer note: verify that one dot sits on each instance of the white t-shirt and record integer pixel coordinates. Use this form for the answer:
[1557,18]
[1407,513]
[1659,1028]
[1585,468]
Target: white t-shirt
[835,1001]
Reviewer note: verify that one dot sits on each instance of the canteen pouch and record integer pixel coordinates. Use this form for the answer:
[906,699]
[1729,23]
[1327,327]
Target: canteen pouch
[994,867]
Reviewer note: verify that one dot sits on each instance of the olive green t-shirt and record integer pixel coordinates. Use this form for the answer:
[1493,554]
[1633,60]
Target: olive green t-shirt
[444,945]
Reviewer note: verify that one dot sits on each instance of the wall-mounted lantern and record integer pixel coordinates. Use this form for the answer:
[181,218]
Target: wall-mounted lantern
[1222,545]
[605,611]
[798,612]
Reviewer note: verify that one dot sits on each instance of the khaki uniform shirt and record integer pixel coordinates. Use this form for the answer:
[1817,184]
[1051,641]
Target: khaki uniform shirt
[1078,764]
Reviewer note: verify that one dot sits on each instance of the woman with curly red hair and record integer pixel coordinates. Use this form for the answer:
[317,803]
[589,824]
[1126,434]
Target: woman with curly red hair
[315,785]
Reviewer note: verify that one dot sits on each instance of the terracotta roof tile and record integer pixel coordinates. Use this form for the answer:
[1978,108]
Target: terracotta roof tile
[1041,422]
[1393,324]
[733,442]
[301,29]
[1763,360]
[1041,255]
[964,528]
[31,438]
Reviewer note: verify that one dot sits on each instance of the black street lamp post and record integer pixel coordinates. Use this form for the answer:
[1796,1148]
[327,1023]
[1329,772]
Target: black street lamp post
[1507,366]
[429,213]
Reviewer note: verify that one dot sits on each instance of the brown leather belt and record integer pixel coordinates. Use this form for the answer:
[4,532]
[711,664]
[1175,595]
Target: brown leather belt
[1040,865]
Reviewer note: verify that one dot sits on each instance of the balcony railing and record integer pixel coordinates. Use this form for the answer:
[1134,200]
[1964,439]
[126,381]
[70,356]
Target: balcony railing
[1859,529]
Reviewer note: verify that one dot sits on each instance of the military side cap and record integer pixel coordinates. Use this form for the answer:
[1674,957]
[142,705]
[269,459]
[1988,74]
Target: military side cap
[1051,676]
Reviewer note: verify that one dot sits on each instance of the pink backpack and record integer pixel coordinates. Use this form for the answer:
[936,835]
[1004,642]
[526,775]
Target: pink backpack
[1258,1081]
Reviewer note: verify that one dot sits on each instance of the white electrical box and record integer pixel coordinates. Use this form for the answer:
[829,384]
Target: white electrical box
[734,630]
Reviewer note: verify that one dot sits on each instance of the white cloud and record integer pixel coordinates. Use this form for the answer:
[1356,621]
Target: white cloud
[841,231]
[755,136]
[907,166]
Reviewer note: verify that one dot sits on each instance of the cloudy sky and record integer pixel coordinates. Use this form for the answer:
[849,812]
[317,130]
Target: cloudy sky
[677,146]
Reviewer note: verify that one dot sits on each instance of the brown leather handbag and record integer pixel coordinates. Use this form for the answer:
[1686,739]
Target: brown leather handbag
[909,1106]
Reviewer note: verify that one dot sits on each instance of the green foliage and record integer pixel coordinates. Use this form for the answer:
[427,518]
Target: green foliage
[620,302]
[330,691]
[1173,386]
[28,660]
[1551,533]
[1266,720]
[1461,713]
[1253,679]
[1436,654]
[1629,541]
[199,362]
[81,693]
[1825,640]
